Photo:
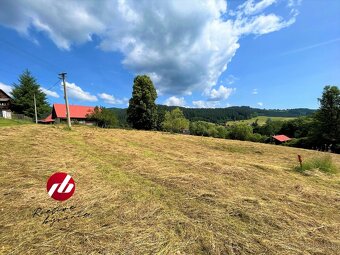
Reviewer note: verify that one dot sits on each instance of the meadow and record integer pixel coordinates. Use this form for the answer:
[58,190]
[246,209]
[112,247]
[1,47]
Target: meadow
[261,120]
[151,192]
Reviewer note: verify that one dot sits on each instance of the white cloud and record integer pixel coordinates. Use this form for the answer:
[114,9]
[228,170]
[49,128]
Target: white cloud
[77,92]
[110,99]
[294,3]
[254,92]
[49,92]
[175,101]
[231,79]
[249,7]
[219,94]
[205,104]
[8,89]
[260,104]
[184,45]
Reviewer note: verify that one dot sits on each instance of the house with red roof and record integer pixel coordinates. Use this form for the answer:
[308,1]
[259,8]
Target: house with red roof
[78,114]
[280,139]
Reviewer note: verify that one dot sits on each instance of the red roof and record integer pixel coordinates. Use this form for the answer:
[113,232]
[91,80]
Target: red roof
[281,138]
[48,119]
[76,111]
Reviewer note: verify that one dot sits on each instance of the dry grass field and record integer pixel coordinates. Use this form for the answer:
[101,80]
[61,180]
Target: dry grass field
[158,193]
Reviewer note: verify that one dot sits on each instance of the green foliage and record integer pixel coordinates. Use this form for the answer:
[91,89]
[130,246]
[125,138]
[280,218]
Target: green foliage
[142,110]
[203,128]
[297,128]
[327,118]
[258,138]
[175,121]
[121,116]
[223,115]
[241,132]
[103,117]
[270,128]
[23,97]
[324,164]
[160,118]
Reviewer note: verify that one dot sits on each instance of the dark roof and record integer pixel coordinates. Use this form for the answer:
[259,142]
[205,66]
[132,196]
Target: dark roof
[3,92]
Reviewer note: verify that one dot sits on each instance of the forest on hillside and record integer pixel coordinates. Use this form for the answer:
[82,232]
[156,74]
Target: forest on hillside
[222,115]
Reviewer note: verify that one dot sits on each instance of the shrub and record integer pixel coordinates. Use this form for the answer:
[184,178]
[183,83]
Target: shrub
[324,164]
[241,132]
[175,121]
[258,138]
[103,117]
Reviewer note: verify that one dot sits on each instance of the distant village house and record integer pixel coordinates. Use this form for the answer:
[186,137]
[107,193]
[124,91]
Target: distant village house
[279,139]
[78,114]
[5,105]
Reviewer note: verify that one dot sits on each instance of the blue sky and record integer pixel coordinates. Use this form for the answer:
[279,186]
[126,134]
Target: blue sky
[266,54]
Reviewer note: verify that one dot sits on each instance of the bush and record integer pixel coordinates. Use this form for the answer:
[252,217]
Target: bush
[303,142]
[241,132]
[258,138]
[103,117]
[175,121]
[324,164]
[203,128]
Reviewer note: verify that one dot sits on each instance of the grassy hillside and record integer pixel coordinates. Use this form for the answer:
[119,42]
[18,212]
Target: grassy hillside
[261,120]
[157,193]
[11,122]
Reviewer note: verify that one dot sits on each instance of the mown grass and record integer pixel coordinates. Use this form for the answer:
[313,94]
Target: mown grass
[12,122]
[324,164]
[157,193]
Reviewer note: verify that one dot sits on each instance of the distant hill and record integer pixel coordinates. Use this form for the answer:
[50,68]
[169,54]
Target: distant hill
[222,115]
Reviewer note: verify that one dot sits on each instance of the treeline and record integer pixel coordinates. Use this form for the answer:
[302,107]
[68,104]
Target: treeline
[221,115]
[320,130]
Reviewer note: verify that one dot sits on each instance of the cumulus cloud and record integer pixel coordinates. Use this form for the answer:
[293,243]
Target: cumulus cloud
[254,92]
[184,45]
[205,104]
[175,101]
[77,92]
[49,92]
[111,99]
[219,94]
[6,88]
[260,104]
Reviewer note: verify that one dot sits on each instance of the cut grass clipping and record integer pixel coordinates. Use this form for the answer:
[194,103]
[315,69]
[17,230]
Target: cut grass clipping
[323,164]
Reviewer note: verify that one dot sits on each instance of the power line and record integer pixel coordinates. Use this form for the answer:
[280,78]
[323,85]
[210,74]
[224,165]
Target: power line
[53,85]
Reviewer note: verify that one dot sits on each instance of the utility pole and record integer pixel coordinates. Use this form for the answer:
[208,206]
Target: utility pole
[62,76]
[35,110]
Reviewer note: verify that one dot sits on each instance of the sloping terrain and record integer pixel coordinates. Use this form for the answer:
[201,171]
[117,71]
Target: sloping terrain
[158,193]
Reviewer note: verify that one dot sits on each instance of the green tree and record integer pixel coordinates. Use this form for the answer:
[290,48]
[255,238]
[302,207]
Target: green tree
[175,121]
[103,117]
[327,118]
[142,110]
[23,96]
[241,132]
